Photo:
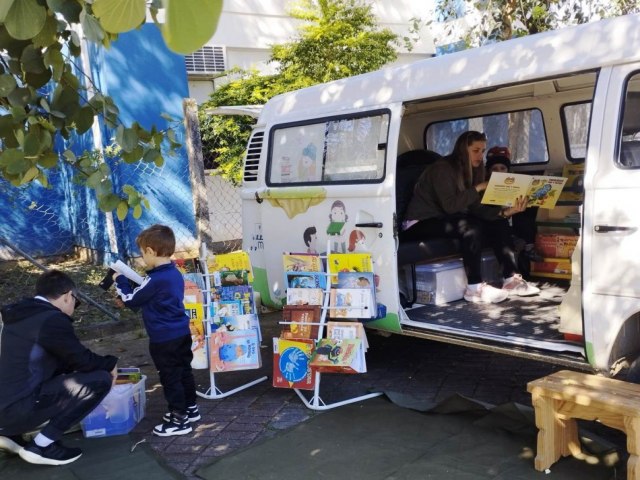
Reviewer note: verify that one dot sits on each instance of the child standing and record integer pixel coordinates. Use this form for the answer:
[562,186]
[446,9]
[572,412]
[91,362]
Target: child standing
[160,296]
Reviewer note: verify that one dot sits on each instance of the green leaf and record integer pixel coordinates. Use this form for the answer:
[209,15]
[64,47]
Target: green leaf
[70,156]
[7,84]
[151,155]
[137,212]
[70,9]
[30,175]
[5,5]
[117,16]
[25,19]
[37,80]
[13,161]
[48,160]
[31,144]
[48,34]
[108,202]
[129,190]
[31,59]
[19,98]
[133,156]
[127,139]
[190,24]
[84,119]
[91,27]
[94,179]
[123,209]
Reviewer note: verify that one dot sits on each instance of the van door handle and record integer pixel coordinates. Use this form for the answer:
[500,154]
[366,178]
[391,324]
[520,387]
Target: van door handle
[258,199]
[613,228]
[369,225]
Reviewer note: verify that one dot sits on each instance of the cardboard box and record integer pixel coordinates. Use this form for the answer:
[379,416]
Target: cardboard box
[555,245]
[439,283]
[118,412]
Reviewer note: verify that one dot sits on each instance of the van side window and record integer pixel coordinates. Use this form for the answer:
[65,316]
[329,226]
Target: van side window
[575,118]
[522,131]
[630,129]
[329,151]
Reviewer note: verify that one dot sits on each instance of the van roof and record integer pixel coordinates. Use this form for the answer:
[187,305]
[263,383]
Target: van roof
[544,55]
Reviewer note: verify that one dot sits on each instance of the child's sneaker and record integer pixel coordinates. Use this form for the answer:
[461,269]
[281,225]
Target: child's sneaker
[192,413]
[177,425]
[516,285]
[12,443]
[485,293]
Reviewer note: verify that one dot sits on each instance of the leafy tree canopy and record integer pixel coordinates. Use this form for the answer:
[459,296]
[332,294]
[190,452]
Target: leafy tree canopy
[498,20]
[43,95]
[337,39]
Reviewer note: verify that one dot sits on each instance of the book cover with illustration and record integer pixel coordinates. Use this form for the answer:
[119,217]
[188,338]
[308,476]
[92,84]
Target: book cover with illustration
[347,330]
[351,303]
[188,265]
[358,280]
[225,308]
[302,262]
[243,293]
[306,280]
[301,321]
[305,296]
[238,260]
[348,262]
[195,312]
[235,350]
[504,188]
[339,356]
[238,322]
[574,188]
[230,278]
[291,359]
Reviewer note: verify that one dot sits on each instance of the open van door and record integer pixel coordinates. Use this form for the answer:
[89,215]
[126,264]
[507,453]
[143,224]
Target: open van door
[611,233]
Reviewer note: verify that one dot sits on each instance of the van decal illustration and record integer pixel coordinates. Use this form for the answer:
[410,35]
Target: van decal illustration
[335,230]
[310,237]
[294,201]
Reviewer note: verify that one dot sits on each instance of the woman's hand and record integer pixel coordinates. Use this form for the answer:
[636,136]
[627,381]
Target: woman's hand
[520,205]
[481,187]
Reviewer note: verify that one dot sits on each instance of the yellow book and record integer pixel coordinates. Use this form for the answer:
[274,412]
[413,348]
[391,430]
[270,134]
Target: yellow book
[238,260]
[348,262]
[541,190]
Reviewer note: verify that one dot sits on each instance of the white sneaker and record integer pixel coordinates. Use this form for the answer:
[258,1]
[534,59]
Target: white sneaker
[485,294]
[518,286]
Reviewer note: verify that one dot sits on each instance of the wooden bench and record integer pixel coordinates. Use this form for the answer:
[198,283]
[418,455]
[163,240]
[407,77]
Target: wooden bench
[559,399]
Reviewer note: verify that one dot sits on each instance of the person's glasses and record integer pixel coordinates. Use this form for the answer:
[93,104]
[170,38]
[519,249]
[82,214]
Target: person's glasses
[77,301]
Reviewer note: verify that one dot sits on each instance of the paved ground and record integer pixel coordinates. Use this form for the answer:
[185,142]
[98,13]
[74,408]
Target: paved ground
[429,370]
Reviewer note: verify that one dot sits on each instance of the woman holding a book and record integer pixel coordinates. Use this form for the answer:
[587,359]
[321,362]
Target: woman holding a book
[446,203]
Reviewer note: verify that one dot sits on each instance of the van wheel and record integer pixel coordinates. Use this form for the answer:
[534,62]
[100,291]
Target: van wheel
[633,372]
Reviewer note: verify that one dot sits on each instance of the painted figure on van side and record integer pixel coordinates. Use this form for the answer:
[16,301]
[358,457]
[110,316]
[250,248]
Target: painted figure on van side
[446,203]
[338,218]
[310,237]
[357,241]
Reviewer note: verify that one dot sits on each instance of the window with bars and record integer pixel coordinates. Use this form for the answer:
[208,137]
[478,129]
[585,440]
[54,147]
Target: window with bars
[209,59]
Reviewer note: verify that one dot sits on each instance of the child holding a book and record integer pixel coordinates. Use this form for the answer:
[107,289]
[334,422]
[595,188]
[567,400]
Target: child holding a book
[161,298]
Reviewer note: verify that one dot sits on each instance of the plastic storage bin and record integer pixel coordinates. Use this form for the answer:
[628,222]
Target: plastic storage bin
[439,283]
[118,412]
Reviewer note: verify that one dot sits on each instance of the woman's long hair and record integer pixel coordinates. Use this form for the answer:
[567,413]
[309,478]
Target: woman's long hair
[468,176]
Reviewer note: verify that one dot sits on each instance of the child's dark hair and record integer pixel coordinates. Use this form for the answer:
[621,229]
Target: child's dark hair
[159,238]
[53,284]
[306,235]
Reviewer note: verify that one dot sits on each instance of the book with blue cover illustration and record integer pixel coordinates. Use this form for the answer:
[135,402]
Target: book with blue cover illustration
[235,350]
[306,280]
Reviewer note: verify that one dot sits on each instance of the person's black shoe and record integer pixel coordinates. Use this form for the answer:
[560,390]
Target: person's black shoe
[54,454]
[12,443]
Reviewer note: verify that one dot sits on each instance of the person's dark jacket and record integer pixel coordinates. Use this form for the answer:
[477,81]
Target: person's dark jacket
[437,195]
[161,298]
[37,342]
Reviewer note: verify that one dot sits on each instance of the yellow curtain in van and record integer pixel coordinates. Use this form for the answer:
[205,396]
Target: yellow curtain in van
[294,200]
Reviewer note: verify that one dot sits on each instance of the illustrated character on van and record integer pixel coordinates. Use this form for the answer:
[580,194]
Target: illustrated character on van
[307,164]
[357,241]
[310,237]
[338,218]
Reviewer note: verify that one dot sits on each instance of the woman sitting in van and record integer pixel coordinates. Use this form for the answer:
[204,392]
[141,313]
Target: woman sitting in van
[446,203]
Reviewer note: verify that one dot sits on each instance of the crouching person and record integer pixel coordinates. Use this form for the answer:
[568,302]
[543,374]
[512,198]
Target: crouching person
[46,374]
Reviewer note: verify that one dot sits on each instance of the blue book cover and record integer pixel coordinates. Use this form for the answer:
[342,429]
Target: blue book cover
[306,280]
[244,293]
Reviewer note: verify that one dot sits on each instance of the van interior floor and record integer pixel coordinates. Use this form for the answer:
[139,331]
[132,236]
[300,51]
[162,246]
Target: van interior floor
[533,319]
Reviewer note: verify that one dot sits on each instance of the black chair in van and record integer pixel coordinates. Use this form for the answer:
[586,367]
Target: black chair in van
[410,165]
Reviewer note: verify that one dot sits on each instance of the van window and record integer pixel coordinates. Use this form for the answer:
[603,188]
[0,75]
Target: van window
[523,132]
[576,125]
[330,151]
[629,156]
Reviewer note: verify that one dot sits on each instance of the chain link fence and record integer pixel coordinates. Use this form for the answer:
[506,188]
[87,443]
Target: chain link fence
[62,227]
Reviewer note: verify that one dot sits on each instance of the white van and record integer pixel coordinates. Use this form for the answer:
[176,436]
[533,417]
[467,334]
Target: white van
[558,98]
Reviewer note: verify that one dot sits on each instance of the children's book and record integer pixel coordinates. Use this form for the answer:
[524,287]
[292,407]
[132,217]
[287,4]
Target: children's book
[238,322]
[193,287]
[347,330]
[348,262]
[304,296]
[351,303]
[291,367]
[306,280]
[302,321]
[574,188]
[243,293]
[230,278]
[238,260]
[339,356]
[541,190]
[301,262]
[188,266]
[225,308]
[358,280]
[195,312]
[235,350]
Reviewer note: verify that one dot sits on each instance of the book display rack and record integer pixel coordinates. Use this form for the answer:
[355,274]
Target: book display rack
[303,352]
[231,327]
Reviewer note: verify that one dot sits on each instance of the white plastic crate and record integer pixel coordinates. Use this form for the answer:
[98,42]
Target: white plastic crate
[439,283]
[118,412]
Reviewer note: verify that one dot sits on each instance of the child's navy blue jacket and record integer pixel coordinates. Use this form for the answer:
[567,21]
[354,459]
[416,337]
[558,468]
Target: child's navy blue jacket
[160,297]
